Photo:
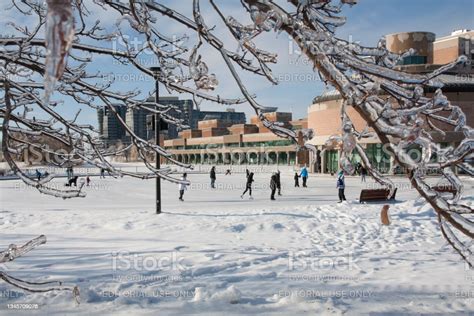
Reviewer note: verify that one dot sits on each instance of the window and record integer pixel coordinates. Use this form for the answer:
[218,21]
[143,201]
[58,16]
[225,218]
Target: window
[414,60]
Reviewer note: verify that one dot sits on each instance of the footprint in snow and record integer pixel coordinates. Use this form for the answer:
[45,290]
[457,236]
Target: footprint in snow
[237,228]
[215,256]
[278,226]
[128,226]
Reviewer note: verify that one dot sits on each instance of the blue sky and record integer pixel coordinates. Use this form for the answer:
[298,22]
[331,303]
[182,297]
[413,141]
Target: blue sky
[366,23]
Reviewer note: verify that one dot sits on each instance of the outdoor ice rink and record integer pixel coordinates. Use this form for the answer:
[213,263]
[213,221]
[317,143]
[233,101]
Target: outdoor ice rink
[216,252]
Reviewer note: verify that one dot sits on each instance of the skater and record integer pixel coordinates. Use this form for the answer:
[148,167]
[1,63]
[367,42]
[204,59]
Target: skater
[213,177]
[182,186]
[304,175]
[341,185]
[363,173]
[102,173]
[88,180]
[227,172]
[38,175]
[273,186]
[297,182]
[72,181]
[278,182]
[248,186]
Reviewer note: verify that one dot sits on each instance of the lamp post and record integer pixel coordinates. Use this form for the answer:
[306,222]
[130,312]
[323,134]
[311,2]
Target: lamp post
[156,72]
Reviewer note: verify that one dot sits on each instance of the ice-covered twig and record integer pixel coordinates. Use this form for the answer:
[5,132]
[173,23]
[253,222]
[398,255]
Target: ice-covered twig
[13,252]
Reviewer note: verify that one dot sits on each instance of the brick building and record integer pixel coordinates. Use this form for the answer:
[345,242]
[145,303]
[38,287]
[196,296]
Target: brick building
[431,53]
[221,142]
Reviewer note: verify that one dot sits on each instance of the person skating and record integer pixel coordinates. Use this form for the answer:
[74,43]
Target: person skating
[213,177]
[72,181]
[38,175]
[248,186]
[341,185]
[297,180]
[182,186]
[363,173]
[273,186]
[228,172]
[278,182]
[102,173]
[88,180]
[304,176]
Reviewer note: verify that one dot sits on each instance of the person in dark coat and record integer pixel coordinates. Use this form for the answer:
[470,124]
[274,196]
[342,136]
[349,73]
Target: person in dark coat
[213,177]
[38,175]
[341,185]
[72,181]
[273,186]
[363,173]
[297,182]
[278,183]
[248,186]
[88,180]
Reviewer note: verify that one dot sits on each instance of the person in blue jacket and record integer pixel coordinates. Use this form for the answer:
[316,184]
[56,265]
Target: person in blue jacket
[304,176]
[341,185]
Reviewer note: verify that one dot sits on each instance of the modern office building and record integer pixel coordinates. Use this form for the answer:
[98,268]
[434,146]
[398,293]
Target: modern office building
[184,110]
[112,131]
[109,126]
[431,53]
[229,115]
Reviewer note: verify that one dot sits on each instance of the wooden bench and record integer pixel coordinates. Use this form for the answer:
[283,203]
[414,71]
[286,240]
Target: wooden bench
[376,195]
[445,189]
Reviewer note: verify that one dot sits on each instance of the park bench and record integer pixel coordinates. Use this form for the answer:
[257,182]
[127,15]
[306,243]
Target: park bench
[376,195]
[444,189]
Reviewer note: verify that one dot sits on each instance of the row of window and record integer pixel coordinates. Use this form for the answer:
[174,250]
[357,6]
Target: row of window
[378,156]
[273,143]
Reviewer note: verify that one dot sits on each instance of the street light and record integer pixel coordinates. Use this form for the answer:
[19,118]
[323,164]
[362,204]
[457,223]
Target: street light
[156,72]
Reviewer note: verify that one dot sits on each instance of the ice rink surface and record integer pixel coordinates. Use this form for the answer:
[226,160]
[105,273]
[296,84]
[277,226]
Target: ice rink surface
[216,253]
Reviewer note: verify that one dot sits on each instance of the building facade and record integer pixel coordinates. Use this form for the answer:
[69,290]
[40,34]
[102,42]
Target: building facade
[112,131]
[221,142]
[229,115]
[110,127]
[324,113]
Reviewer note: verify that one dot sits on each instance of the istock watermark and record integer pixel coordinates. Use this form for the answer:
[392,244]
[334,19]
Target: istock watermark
[126,261]
[303,261]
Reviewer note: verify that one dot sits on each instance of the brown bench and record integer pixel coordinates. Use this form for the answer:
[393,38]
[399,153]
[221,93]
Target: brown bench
[444,189]
[376,195]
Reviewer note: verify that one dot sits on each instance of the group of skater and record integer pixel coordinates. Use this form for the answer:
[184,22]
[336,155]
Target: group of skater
[71,177]
[304,175]
[275,183]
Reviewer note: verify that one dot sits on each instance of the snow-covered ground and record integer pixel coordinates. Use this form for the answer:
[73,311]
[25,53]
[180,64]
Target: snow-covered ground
[215,253]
